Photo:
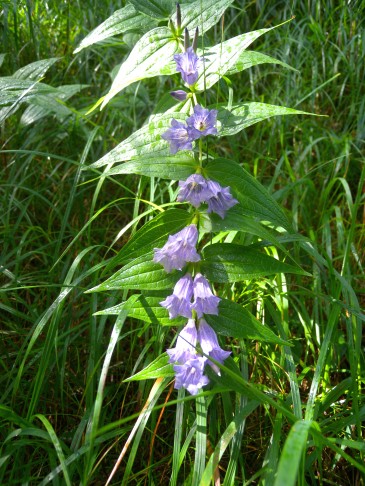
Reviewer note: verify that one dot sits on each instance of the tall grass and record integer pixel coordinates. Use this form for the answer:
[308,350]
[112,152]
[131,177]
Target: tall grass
[67,414]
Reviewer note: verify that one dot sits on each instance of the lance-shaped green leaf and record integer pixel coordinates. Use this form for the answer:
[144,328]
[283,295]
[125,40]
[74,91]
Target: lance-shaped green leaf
[243,115]
[160,10]
[151,56]
[123,20]
[14,90]
[35,70]
[236,220]
[235,321]
[201,14]
[147,309]
[159,368]
[254,198]
[229,57]
[248,59]
[227,262]
[143,142]
[224,56]
[53,103]
[174,167]
[153,234]
[141,273]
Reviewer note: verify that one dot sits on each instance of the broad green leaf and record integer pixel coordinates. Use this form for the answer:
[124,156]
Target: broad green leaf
[146,309]
[243,115]
[144,142]
[174,167]
[224,56]
[123,20]
[151,56]
[35,70]
[141,273]
[235,321]
[44,105]
[13,89]
[157,10]
[236,220]
[254,198]
[227,262]
[292,453]
[229,57]
[154,234]
[153,53]
[201,14]
[159,368]
[248,59]
[14,92]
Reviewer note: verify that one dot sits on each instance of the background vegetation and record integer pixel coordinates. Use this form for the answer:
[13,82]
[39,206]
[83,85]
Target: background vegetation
[60,225]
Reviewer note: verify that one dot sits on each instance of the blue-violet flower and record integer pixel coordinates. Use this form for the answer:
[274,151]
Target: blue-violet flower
[189,365]
[187,63]
[179,136]
[205,302]
[178,304]
[179,249]
[209,343]
[185,344]
[194,190]
[202,122]
[221,199]
[190,375]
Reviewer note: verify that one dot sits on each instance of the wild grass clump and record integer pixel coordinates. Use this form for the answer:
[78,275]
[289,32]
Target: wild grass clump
[295,413]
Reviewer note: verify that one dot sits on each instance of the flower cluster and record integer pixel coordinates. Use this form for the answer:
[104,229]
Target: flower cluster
[179,303]
[181,135]
[197,190]
[192,297]
[190,364]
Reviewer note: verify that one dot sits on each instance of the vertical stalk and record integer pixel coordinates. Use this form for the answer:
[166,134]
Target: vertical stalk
[201,440]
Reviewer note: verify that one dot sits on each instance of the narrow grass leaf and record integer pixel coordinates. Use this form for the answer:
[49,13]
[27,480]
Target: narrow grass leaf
[57,446]
[292,453]
[200,440]
[224,442]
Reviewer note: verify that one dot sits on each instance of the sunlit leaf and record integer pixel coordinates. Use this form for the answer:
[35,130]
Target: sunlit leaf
[159,368]
[123,20]
[243,115]
[227,262]
[236,321]
[141,273]
[255,200]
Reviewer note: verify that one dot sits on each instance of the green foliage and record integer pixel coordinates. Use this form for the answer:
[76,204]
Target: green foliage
[74,395]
